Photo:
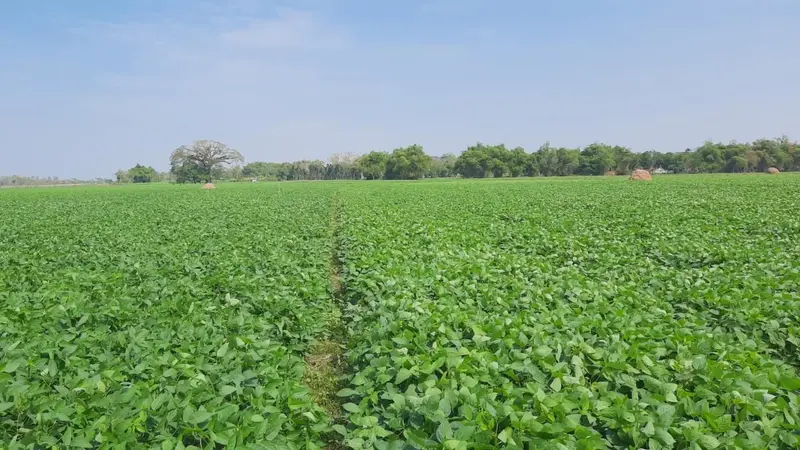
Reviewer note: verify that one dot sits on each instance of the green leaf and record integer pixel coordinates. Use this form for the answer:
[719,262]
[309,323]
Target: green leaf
[5,406]
[222,437]
[201,416]
[789,382]
[708,442]
[699,362]
[223,350]
[273,426]
[402,375]
[664,437]
[506,436]
[444,407]
[13,365]
[399,400]
[352,407]
[444,431]
[453,444]
[346,393]
[188,413]
[227,390]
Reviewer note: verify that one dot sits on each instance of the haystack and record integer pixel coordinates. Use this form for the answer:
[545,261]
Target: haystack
[641,175]
[773,170]
[610,173]
[209,186]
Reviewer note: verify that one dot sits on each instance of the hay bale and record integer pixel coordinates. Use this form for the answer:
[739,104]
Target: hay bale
[641,175]
[209,186]
[773,170]
[611,173]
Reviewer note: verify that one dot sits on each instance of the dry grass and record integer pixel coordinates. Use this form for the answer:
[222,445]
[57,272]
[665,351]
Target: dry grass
[326,364]
[641,175]
[324,367]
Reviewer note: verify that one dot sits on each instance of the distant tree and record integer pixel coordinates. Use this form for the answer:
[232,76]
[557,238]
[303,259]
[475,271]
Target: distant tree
[647,160]
[624,160]
[342,166]
[373,165]
[442,166]
[201,159]
[473,162]
[187,172]
[299,170]
[142,174]
[737,164]
[498,160]
[446,165]
[409,163]
[773,153]
[568,161]
[532,165]
[708,158]
[18,180]
[596,159]
[517,161]
[257,169]
[547,159]
[123,176]
[481,160]
[234,173]
[316,170]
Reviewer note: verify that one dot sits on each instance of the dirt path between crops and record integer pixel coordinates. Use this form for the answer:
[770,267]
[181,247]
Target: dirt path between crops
[326,362]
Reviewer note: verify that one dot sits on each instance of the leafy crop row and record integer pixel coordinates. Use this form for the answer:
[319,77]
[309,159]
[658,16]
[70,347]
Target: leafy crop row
[574,314]
[147,318]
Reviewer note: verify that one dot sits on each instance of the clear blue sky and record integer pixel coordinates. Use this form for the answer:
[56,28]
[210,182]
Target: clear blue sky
[90,86]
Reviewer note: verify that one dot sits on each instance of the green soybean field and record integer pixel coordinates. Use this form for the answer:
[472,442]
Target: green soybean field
[569,313]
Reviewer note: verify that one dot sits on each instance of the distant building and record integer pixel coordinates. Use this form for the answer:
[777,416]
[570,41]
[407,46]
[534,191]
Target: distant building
[661,170]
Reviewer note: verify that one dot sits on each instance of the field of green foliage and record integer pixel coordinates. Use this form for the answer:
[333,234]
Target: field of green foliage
[571,313]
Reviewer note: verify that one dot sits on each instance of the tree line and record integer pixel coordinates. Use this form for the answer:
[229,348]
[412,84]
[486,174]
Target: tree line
[204,161]
[19,180]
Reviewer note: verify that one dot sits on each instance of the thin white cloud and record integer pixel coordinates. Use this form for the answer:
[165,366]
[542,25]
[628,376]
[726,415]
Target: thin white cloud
[291,29]
[226,53]
[449,6]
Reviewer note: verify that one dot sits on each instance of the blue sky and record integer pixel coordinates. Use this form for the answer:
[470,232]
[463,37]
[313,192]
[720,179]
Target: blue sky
[90,86]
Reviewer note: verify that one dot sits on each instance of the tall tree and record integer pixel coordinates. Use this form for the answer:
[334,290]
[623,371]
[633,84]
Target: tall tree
[473,162]
[517,161]
[373,165]
[596,159]
[142,174]
[498,160]
[123,176]
[342,166]
[708,158]
[442,166]
[202,158]
[409,163]
[547,158]
[624,160]
[568,161]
